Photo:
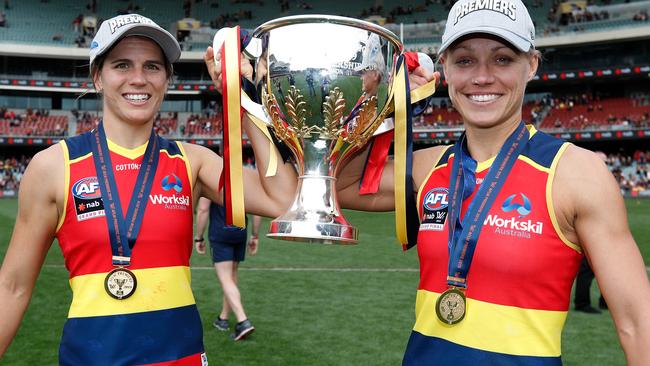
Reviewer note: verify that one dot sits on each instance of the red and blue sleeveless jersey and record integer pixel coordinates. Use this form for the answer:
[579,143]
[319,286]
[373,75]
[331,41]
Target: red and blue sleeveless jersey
[159,324]
[519,283]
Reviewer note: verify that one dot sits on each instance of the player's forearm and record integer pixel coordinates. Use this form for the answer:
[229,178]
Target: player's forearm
[637,353]
[201,222]
[257,220]
[635,338]
[13,302]
[350,174]
[280,188]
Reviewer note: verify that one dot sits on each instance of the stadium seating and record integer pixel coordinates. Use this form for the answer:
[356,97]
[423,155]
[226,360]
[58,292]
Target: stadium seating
[608,112]
[54,125]
[201,126]
[52,22]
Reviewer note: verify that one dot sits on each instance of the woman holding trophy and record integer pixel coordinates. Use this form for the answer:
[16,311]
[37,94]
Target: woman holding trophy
[507,213]
[119,200]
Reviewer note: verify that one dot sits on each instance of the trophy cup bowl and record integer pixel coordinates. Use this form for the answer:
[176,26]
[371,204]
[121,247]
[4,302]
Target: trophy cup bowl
[326,91]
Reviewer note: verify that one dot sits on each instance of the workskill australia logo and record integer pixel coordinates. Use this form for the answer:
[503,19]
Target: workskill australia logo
[435,204]
[171,183]
[515,225]
[87,198]
[522,208]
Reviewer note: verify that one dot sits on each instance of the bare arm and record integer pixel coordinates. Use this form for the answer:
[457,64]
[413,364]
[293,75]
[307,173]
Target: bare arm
[202,215]
[32,237]
[266,196]
[384,200]
[253,241]
[591,205]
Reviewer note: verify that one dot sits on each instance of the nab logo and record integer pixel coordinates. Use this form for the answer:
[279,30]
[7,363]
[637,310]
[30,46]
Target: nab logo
[86,188]
[522,208]
[436,199]
[172,181]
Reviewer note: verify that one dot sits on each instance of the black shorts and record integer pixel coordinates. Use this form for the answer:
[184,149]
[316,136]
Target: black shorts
[228,252]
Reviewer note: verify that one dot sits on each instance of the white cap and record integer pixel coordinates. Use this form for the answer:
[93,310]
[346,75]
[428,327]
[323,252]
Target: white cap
[114,29]
[507,19]
[371,57]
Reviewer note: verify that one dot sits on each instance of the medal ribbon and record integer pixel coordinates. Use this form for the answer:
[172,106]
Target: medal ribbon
[123,230]
[461,185]
[232,174]
[406,215]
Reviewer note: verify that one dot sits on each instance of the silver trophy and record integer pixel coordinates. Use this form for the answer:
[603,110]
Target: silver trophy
[327,90]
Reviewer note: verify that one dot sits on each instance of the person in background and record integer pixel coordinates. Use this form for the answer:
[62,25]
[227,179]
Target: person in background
[228,248]
[582,295]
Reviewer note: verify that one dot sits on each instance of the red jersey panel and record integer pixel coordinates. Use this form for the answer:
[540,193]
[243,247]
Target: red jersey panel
[160,318]
[519,282]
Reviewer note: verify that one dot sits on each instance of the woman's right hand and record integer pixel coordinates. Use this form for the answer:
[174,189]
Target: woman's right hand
[213,63]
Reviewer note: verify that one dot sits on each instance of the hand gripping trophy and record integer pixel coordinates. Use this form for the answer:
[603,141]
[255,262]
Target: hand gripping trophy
[330,85]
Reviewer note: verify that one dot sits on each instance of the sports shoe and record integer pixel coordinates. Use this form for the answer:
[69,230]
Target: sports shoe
[221,324]
[243,330]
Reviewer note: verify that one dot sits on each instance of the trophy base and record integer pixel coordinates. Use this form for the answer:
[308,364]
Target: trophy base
[324,233]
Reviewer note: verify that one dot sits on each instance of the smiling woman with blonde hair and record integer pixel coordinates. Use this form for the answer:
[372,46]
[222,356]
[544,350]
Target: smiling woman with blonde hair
[507,213]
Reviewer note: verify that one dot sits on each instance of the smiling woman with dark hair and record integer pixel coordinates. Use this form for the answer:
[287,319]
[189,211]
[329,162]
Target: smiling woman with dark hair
[119,200]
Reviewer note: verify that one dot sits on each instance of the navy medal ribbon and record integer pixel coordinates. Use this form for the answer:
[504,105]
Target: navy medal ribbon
[451,305]
[463,235]
[123,230]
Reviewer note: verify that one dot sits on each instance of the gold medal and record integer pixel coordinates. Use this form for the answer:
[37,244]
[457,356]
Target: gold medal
[451,306]
[120,283]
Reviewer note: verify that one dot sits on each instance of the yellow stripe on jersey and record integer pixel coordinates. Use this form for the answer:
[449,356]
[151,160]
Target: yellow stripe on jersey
[424,182]
[549,198]
[132,154]
[533,164]
[66,182]
[188,168]
[527,332]
[157,289]
[73,161]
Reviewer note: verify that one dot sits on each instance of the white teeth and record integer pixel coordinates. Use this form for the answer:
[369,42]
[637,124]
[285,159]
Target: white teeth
[483,97]
[136,97]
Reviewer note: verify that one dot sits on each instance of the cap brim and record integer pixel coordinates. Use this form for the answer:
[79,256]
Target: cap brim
[515,40]
[165,40]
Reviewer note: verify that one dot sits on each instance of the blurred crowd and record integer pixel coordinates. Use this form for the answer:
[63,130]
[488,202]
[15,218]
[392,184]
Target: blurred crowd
[632,172]
[32,122]
[11,172]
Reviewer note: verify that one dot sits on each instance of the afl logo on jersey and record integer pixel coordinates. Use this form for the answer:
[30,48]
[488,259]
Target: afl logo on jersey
[87,199]
[435,205]
[436,199]
[86,188]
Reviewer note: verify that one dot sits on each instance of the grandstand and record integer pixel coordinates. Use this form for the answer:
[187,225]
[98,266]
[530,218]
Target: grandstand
[591,87]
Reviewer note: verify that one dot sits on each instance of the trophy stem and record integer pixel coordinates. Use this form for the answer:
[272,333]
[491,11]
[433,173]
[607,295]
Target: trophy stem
[314,216]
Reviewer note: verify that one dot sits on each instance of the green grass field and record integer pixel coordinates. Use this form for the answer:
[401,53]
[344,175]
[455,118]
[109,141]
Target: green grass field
[311,304]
